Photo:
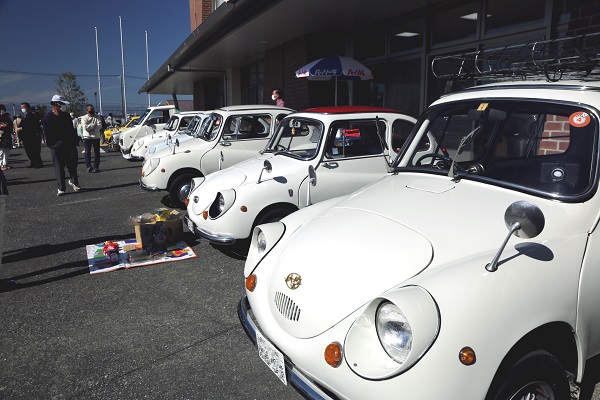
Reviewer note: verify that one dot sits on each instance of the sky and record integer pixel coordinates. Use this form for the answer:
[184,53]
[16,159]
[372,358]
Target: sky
[42,39]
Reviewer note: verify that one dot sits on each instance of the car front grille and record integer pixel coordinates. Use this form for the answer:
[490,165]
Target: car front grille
[287,307]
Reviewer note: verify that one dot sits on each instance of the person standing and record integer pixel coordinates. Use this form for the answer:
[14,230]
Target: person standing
[277,97]
[6,140]
[92,130]
[30,133]
[61,138]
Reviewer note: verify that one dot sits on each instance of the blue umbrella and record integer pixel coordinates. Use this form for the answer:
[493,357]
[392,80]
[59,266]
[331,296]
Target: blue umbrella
[337,67]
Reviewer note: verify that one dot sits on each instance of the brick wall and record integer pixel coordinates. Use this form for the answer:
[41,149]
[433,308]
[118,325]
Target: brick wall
[281,64]
[556,135]
[199,11]
[585,19]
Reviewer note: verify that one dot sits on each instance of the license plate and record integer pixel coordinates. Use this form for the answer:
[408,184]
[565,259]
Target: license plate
[190,225]
[271,356]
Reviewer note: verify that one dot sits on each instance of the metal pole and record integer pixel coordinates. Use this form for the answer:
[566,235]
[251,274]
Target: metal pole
[123,68]
[147,66]
[98,64]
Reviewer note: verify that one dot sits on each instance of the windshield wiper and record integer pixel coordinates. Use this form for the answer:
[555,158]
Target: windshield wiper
[463,143]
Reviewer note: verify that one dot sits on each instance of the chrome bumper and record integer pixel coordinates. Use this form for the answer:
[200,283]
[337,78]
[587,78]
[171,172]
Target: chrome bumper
[149,188]
[300,382]
[205,235]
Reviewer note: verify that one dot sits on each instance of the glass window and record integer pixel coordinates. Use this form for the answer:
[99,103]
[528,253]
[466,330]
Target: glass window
[401,130]
[403,86]
[407,36]
[457,23]
[540,147]
[247,127]
[209,130]
[355,138]
[297,138]
[501,14]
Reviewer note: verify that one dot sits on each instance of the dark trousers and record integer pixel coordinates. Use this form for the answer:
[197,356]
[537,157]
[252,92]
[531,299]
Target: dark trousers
[64,155]
[33,147]
[88,144]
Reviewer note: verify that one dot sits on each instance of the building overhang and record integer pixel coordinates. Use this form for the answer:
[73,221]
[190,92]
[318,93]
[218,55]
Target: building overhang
[241,32]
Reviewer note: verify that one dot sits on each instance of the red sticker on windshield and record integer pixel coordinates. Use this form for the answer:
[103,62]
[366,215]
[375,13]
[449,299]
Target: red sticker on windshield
[579,119]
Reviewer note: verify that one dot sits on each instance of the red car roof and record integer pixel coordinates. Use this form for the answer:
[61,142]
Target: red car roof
[348,109]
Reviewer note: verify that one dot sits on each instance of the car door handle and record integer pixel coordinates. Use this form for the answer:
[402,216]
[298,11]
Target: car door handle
[225,144]
[330,165]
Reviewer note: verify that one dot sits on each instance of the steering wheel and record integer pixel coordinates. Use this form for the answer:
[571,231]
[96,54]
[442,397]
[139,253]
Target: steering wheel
[447,160]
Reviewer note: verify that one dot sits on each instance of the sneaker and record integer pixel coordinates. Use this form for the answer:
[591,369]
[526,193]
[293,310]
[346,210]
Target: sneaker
[74,186]
[60,192]
[95,170]
[90,169]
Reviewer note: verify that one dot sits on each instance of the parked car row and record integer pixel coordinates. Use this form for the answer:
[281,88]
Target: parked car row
[451,256]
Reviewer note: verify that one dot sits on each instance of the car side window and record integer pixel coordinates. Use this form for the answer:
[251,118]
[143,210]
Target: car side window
[401,130]
[356,138]
[247,127]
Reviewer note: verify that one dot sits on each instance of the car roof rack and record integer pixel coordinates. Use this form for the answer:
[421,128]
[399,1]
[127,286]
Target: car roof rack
[575,57]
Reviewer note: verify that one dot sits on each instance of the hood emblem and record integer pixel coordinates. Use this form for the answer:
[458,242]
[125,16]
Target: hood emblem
[293,281]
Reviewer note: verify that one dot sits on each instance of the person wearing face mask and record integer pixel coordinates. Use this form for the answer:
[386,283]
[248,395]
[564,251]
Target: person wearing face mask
[30,133]
[92,130]
[277,97]
[6,138]
[61,138]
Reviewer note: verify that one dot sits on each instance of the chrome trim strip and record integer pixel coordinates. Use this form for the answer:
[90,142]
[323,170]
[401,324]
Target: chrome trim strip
[210,237]
[146,187]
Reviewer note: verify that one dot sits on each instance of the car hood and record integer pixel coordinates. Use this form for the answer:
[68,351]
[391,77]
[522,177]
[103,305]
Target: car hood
[186,147]
[379,237]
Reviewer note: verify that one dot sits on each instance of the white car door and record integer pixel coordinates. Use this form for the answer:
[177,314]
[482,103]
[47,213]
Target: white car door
[242,137]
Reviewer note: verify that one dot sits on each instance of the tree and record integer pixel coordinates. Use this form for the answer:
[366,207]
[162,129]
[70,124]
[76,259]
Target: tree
[67,86]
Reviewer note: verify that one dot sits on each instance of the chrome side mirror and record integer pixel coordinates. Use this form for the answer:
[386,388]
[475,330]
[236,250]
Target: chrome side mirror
[312,181]
[523,219]
[267,166]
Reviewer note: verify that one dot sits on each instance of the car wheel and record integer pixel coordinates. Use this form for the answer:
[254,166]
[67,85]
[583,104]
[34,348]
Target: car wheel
[539,375]
[179,190]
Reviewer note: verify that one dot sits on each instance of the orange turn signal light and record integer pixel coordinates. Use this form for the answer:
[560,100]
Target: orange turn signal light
[186,202]
[162,170]
[333,354]
[467,356]
[251,283]
[143,174]
[243,209]
[205,214]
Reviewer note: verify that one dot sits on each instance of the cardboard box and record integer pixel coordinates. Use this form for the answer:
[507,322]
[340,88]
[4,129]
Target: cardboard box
[144,233]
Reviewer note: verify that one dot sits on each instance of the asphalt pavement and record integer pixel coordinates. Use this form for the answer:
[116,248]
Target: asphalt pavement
[165,331]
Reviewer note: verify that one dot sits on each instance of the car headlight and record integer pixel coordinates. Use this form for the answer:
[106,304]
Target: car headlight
[223,201]
[264,238]
[150,166]
[392,333]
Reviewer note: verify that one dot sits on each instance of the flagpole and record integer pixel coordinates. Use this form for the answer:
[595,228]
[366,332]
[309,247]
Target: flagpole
[147,66]
[98,64]
[123,72]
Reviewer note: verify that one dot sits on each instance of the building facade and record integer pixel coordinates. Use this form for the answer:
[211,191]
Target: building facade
[239,50]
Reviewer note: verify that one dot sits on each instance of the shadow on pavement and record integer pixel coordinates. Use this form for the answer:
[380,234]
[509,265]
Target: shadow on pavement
[237,251]
[45,250]
[96,189]
[10,284]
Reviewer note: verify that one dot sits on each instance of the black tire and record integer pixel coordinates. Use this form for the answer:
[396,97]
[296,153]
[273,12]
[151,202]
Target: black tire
[538,372]
[273,216]
[179,190]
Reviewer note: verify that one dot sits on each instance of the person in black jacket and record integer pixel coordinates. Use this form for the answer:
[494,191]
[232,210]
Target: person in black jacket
[61,138]
[30,133]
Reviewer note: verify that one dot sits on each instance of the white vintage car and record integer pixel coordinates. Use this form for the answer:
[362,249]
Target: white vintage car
[470,272]
[191,132]
[348,147]
[177,123]
[153,119]
[228,136]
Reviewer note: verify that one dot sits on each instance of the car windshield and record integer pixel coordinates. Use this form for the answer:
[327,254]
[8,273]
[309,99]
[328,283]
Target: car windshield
[209,130]
[540,147]
[172,124]
[297,137]
[132,122]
